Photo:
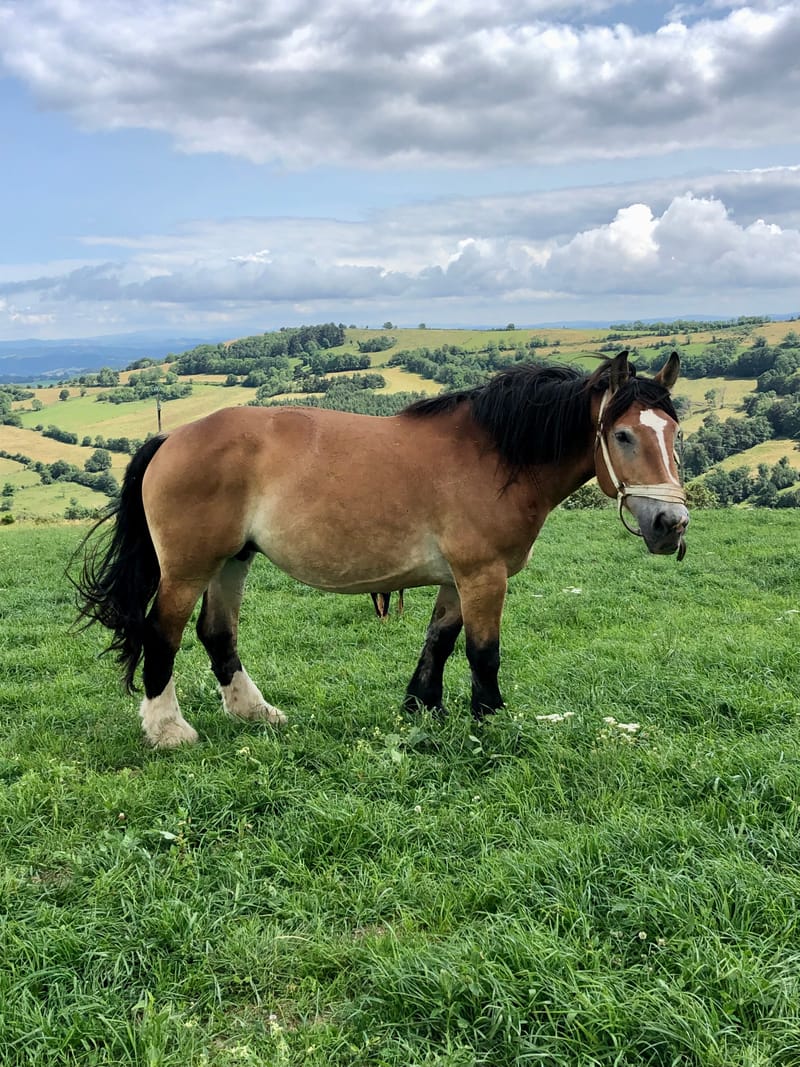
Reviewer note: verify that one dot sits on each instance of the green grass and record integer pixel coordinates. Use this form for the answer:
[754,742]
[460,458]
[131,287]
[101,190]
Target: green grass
[767,452]
[84,415]
[364,888]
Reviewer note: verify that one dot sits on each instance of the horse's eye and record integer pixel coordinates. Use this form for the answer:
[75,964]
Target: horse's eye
[623,437]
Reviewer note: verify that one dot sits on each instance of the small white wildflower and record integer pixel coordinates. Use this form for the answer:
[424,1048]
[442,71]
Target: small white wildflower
[572,589]
[557,716]
[642,935]
[243,751]
[629,727]
[476,798]
[418,809]
[610,720]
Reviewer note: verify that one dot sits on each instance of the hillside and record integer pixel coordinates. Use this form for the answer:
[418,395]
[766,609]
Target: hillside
[378,370]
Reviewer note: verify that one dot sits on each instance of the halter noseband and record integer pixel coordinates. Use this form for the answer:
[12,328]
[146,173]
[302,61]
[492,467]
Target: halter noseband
[667,491]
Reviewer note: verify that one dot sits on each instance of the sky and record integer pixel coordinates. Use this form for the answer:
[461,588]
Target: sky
[219,168]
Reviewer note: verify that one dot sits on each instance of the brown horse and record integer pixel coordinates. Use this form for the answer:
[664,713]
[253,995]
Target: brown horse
[473,475]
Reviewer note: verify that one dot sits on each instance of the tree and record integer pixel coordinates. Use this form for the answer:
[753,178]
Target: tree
[64,394]
[107,376]
[701,495]
[783,474]
[100,460]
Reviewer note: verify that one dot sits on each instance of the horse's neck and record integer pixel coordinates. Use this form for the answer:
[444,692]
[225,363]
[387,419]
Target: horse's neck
[552,483]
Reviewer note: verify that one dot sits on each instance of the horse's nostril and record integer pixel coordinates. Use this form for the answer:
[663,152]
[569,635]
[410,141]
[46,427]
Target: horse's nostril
[667,522]
[661,523]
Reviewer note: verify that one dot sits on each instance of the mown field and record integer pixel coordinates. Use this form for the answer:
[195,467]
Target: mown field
[363,888]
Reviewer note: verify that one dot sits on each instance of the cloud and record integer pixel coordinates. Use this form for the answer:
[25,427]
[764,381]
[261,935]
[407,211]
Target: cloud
[693,244]
[22,316]
[404,83]
[446,260]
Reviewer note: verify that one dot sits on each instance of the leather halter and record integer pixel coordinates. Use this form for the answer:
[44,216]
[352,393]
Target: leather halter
[667,491]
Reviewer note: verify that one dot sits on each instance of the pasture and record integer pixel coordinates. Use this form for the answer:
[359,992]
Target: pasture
[605,873]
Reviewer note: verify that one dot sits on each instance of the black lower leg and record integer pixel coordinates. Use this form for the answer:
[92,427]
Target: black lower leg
[220,646]
[484,660]
[425,686]
[159,658]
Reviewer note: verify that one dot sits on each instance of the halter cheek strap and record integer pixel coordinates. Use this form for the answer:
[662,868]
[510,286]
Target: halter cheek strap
[667,491]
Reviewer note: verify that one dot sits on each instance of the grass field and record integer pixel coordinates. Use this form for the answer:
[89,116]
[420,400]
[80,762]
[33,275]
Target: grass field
[767,452]
[84,415]
[362,888]
[730,394]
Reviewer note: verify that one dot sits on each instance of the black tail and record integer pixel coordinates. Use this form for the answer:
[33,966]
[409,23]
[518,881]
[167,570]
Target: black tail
[119,575]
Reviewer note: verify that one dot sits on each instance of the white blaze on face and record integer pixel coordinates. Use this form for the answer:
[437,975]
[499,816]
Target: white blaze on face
[658,424]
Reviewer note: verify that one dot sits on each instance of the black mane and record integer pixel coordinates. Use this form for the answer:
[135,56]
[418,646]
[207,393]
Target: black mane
[541,414]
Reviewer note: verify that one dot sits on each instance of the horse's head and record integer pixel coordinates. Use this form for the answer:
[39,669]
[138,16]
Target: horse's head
[635,458]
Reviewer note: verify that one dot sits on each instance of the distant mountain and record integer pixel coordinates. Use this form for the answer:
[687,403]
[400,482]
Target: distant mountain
[23,361]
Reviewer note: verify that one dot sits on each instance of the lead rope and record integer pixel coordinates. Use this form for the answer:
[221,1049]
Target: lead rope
[667,491]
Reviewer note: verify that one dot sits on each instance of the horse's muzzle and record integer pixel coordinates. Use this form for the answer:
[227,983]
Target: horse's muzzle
[662,525]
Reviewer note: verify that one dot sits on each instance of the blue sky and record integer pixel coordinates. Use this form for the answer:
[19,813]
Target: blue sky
[240,165]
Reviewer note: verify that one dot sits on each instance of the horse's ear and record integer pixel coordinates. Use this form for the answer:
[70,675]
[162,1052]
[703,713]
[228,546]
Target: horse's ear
[618,371]
[668,374]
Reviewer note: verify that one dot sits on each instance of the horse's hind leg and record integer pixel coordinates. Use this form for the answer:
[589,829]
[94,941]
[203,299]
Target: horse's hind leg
[425,687]
[162,722]
[218,628]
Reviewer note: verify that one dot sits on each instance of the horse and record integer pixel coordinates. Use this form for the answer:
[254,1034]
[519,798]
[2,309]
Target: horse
[381,602]
[473,475]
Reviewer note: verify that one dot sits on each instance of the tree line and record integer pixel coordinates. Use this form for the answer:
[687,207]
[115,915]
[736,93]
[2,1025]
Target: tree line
[95,474]
[268,352]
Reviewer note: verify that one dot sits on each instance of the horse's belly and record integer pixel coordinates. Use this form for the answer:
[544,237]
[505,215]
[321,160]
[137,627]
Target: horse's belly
[352,562]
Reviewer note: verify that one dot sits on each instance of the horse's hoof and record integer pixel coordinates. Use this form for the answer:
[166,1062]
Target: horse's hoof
[171,733]
[483,712]
[414,706]
[266,713]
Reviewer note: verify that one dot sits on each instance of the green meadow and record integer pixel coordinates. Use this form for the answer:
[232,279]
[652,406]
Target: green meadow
[605,874]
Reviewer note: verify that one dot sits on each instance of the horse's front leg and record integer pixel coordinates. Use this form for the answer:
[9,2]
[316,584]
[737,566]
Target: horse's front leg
[218,629]
[425,687]
[482,598]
